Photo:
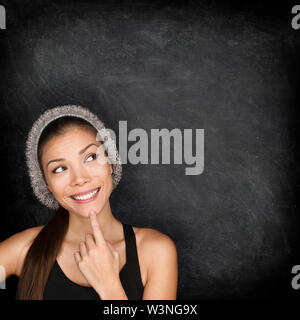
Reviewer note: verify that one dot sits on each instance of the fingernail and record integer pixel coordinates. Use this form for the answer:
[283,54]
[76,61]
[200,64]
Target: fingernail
[92,212]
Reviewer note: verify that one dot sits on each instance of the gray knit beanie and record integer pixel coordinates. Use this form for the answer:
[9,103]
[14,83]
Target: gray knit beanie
[37,181]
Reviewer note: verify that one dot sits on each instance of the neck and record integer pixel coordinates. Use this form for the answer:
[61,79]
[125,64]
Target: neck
[79,226]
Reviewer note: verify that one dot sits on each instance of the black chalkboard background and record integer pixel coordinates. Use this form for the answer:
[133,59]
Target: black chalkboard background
[230,68]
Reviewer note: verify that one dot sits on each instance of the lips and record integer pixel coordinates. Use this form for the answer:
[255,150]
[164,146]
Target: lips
[85,194]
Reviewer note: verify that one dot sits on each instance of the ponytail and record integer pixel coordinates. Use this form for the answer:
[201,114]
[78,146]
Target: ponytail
[41,257]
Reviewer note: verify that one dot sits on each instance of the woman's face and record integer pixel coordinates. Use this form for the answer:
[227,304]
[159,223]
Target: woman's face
[71,167]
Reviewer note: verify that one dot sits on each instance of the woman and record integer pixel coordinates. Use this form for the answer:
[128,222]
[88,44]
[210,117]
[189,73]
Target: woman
[84,252]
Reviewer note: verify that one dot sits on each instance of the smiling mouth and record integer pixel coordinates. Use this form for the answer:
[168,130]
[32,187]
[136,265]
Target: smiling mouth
[86,196]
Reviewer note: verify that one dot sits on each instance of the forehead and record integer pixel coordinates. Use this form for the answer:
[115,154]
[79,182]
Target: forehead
[74,139]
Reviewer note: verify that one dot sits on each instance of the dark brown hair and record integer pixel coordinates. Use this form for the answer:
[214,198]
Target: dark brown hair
[44,249]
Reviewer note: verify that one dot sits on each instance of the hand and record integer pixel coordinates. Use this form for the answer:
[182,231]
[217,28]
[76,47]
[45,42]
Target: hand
[97,260]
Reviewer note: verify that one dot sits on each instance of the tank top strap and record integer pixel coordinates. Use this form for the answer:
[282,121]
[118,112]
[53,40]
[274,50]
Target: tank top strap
[132,260]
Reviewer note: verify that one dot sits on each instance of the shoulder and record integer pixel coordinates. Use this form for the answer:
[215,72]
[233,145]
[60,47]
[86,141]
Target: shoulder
[12,248]
[23,241]
[160,261]
[155,244]
[27,236]
[151,237]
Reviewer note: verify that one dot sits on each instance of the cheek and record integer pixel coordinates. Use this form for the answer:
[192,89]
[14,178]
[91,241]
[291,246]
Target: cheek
[102,171]
[58,185]
[107,174]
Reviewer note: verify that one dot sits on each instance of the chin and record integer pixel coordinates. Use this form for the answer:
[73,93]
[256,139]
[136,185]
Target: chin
[85,210]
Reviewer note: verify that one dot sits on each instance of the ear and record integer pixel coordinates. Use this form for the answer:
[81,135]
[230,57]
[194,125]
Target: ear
[111,170]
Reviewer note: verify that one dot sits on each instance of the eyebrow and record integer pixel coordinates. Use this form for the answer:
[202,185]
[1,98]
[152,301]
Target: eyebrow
[80,152]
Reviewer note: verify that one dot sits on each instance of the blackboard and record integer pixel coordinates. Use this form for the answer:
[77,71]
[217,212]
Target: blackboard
[230,69]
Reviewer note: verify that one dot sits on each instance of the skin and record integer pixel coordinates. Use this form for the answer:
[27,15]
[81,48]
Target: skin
[96,258]
[79,173]
[93,251]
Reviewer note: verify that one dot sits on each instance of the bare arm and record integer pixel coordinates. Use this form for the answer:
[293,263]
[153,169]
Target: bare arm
[12,251]
[162,269]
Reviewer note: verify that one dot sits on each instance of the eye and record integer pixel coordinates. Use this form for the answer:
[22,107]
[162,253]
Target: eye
[93,155]
[56,170]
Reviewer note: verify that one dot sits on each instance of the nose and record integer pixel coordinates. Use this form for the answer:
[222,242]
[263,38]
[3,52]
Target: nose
[79,177]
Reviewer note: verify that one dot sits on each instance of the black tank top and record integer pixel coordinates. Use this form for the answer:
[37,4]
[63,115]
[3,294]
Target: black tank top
[60,287]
